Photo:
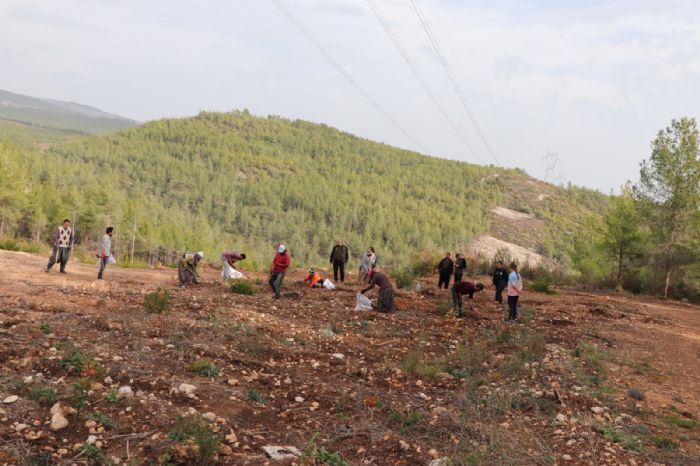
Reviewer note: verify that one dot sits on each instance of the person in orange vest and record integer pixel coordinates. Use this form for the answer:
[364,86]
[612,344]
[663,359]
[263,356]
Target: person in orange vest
[313,279]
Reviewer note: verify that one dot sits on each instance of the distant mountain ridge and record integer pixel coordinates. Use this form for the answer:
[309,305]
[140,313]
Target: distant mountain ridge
[61,115]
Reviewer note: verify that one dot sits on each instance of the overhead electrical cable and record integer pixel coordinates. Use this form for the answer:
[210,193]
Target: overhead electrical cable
[292,19]
[450,76]
[408,61]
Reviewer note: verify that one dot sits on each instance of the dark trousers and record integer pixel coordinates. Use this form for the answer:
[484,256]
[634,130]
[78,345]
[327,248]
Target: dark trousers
[103,264]
[339,267]
[499,292]
[60,255]
[457,302]
[458,277]
[513,307]
[444,279]
[275,282]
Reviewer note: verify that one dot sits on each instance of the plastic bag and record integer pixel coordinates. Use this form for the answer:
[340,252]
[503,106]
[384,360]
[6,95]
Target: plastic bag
[363,303]
[232,274]
[111,260]
[327,284]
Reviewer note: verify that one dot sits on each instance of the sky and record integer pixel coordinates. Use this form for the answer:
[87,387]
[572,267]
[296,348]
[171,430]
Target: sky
[570,91]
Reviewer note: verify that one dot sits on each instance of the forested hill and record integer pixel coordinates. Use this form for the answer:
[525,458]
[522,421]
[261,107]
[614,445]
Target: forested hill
[58,115]
[232,180]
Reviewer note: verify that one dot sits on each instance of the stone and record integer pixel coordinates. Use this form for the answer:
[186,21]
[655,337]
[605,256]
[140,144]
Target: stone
[211,417]
[314,406]
[566,457]
[440,462]
[281,453]
[10,399]
[597,410]
[58,421]
[91,440]
[561,418]
[298,399]
[107,380]
[187,389]
[28,379]
[125,392]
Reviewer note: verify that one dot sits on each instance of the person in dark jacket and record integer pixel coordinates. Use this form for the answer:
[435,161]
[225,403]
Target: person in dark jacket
[500,280]
[445,269]
[386,290]
[339,257]
[460,267]
[460,289]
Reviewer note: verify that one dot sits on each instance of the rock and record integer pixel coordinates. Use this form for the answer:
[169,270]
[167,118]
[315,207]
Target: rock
[20,427]
[91,440]
[314,406]
[404,445]
[107,380]
[125,392]
[232,382]
[187,389]
[444,376]
[232,438]
[439,411]
[281,453]
[566,457]
[28,379]
[338,356]
[561,418]
[211,417]
[10,399]
[58,421]
[440,462]
[597,410]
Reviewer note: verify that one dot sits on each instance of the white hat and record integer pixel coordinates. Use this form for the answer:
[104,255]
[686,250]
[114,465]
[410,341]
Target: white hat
[281,248]
[200,254]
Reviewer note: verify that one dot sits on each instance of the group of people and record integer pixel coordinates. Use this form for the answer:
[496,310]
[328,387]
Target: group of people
[368,272]
[62,246]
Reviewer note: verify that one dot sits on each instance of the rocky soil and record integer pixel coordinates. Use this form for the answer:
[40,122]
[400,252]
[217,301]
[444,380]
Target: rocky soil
[93,373]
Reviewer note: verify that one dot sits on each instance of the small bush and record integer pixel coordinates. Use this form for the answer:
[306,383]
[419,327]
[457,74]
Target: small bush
[404,423]
[45,328]
[203,367]
[680,422]
[636,394]
[241,287]
[664,443]
[253,395]
[320,456]
[90,451]
[103,420]
[43,394]
[628,442]
[112,396]
[199,431]
[81,387]
[543,284]
[82,363]
[157,302]
[405,278]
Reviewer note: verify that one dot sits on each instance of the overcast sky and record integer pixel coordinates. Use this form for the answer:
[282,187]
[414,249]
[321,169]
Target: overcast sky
[590,81]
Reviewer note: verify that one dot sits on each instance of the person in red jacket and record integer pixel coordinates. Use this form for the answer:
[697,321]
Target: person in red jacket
[460,289]
[280,264]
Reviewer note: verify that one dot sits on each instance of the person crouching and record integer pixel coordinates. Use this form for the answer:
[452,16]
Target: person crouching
[187,269]
[460,289]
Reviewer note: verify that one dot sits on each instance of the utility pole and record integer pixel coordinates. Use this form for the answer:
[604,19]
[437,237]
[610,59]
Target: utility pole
[72,240]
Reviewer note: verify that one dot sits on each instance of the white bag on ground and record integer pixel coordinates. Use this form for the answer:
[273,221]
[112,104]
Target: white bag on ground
[231,274]
[363,303]
[327,284]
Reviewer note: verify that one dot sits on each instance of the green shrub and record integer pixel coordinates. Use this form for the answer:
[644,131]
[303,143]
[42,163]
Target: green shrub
[82,363]
[198,430]
[680,422]
[157,302]
[636,394]
[45,328]
[203,367]
[404,278]
[543,284]
[43,394]
[102,419]
[253,395]
[241,286]
[90,451]
[664,443]
[320,455]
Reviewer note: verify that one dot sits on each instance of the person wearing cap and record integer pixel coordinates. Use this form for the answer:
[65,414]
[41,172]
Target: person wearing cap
[279,267]
[460,289]
[313,279]
[187,269]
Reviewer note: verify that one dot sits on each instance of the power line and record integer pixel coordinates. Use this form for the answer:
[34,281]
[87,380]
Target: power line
[408,61]
[292,19]
[450,75]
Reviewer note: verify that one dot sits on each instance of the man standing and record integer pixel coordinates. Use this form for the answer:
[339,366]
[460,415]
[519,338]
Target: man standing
[500,281]
[460,267]
[460,289]
[386,290]
[104,252]
[229,259]
[62,243]
[339,257]
[280,264]
[445,269]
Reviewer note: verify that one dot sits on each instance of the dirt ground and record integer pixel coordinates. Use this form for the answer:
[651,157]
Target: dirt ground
[583,378]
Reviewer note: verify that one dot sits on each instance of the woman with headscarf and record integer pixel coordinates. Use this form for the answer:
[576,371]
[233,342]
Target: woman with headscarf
[187,269]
